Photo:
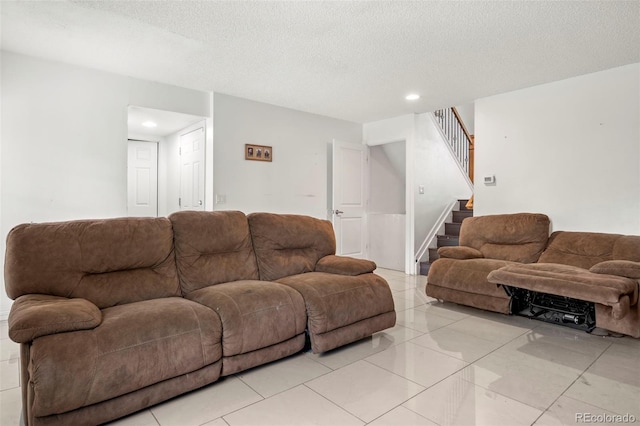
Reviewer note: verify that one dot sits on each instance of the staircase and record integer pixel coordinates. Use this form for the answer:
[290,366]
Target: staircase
[461,145]
[451,234]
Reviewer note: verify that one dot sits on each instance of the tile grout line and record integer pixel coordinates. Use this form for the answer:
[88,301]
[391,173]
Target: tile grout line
[498,393]
[280,392]
[401,405]
[332,403]
[563,392]
[578,378]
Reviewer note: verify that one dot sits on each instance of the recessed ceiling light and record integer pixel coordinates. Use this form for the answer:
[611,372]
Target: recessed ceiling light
[150,124]
[412,97]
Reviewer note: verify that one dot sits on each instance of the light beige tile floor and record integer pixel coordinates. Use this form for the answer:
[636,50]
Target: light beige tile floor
[442,364]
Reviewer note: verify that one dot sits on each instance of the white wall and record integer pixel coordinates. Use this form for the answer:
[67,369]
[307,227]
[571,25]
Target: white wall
[64,139]
[467,114]
[436,170]
[387,240]
[569,149]
[389,130]
[387,164]
[5,303]
[296,180]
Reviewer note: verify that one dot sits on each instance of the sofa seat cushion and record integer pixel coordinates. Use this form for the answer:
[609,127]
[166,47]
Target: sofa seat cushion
[335,301]
[571,281]
[468,275]
[136,345]
[254,314]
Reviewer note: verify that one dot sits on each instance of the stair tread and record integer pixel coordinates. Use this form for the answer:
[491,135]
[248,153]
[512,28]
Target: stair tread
[463,204]
[451,228]
[433,254]
[460,215]
[424,268]
[450,238]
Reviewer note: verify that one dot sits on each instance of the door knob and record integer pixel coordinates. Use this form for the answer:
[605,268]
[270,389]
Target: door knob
[338,211]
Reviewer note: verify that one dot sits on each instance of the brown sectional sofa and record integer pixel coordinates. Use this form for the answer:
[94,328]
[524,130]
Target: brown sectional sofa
[509,264]
[116,315]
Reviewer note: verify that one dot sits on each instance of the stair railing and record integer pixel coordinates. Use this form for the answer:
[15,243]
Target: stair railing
[457,136]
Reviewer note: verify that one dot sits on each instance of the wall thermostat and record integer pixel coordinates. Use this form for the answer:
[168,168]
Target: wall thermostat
[489,180]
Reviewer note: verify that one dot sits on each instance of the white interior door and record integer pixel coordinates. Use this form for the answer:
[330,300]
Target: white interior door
[192,150]
[348,207]
[142,179]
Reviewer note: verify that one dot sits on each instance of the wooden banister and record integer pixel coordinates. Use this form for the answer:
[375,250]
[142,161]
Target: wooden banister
[464,128]
[458,138]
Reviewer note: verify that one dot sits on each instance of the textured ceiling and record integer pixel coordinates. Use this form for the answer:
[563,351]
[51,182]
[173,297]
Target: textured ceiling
[350,60]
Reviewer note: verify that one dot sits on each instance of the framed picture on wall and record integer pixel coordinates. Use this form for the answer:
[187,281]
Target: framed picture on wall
[258,152]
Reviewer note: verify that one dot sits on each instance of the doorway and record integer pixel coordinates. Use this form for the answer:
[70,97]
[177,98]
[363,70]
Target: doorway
[166,129]
[192,170]
[347,198]
[387,208]
[142,179]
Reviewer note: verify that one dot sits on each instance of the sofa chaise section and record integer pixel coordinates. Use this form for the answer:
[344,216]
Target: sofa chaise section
[261,321]
[103,329]
[345,301]
[594,267]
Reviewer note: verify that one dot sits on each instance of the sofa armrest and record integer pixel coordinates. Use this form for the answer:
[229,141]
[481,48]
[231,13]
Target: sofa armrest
[35,315]
[622,268]
[460,252]
[344,265]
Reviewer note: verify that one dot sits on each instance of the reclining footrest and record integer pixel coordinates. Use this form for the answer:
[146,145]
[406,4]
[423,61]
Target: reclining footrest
[571,282]
[552,308]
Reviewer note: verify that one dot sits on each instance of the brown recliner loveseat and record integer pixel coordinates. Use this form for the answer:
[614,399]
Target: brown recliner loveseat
[487,243]
[116,315]
[500,253]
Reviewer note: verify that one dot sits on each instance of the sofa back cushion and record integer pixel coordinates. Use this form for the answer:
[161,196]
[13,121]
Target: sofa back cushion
[627,247]
[108,262]
[585,249]
[289,244]
[212,248]
[519,237]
